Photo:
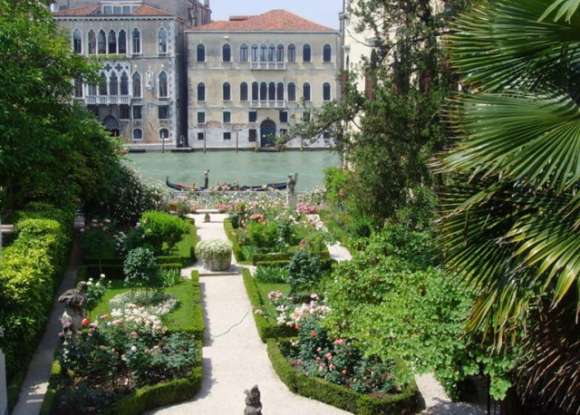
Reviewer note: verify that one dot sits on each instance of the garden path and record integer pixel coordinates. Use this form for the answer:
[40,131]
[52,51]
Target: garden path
[235,359]
[36,382]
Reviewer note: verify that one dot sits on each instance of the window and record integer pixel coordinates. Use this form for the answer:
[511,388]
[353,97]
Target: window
[280,55]
[117,10]
[264,53]
[78,88]
[284,116]
[253,135]
[200,136]
[163,90]
[306,54]
[136,85]
[108,10]
[253,115]
[136,42]
[112,42]
[164,134]
[103,85]
[163,112]
[77,42]
[271,53]
[327,54]
[122,42]
[254,53]
[227,117]
[263,91]
[292,92]
[227,135]
[201,92]
[280,92]
[227,91]
[255,91]
[92,43]
[126,9]
[162,37]
[291,54]
[201,117]
[137,112]
[306,92]
[272,91]
[137,134]
[102,43]
[113,84]
[244,54]
[124,112]
[124,84]
[227,53]
[92,90]
[243,92]
[326,92]
[200,53]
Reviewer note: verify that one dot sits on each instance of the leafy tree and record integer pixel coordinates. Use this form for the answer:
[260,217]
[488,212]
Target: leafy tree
[510,223]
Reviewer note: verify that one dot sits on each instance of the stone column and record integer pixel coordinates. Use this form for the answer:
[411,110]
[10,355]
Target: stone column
[3,390]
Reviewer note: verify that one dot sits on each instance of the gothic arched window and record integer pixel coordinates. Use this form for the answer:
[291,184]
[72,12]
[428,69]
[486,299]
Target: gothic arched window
[102,43]
[124,84]
[112,43]
[163,90]
[162,41]
[122,41]
[92,43]
[113,84]
[77,42]
[136,41]
[136,85]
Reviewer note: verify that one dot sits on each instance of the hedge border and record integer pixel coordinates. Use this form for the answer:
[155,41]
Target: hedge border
[406,402]
[266,328]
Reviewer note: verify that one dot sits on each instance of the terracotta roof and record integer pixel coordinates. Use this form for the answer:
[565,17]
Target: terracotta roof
[272,21]
[95,10]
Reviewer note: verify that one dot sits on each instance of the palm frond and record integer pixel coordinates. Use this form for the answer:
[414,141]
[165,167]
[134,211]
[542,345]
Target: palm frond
[562,8]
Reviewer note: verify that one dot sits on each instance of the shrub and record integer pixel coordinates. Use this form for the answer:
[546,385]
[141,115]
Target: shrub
[261,235]
[270,274]
[304,271]
[216,254]
[159,228]
[140,268]
[95,290]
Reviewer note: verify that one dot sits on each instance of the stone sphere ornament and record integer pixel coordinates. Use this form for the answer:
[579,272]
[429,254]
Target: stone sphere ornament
[216,255]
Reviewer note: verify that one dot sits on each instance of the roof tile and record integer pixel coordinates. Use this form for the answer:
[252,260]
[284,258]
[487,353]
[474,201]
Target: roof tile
[95,10]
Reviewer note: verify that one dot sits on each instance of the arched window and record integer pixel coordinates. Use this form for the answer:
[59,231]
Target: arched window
[263,91]
[326,92]
[201,92]
[271,53]
[92,43]
[92,90]
[227,91]
[136,85]
[137,134]
[327,54]
[78,88]
[280,55]
[306,92]
[280,92]
[254,53]
[200,53]
[255,91]
[122,41]
[291,54]
[77,42]
[112,42]
[164,134]
[163,90]
[244,54]
[272,91]
[243,91]
[162,41]
[102,42]
[103,85]
[136,41]
[124,84]
[227,53]
[306,54]
[264,53]
[113,84]
[292,92]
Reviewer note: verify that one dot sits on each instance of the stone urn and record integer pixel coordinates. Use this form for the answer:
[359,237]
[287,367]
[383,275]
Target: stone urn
[216,255]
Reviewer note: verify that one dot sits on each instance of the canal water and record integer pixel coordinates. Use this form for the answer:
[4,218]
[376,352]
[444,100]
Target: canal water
[245,168]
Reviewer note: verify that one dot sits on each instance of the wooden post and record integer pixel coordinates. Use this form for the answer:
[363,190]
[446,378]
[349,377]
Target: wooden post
[3,387]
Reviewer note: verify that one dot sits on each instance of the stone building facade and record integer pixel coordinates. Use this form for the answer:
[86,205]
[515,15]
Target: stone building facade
[141,48]
[251,77]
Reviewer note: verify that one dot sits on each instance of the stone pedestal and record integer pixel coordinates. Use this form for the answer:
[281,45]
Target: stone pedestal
[3,392]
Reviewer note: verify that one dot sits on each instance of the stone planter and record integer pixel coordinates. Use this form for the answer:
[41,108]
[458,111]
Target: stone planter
[215,255]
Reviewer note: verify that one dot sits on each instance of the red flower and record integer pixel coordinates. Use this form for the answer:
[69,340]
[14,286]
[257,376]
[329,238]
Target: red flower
[313,333]
[85,322]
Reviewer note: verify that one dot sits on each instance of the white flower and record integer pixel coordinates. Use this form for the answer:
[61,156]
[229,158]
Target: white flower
[134,348]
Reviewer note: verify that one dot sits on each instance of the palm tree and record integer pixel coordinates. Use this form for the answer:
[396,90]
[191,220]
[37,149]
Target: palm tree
[511,207]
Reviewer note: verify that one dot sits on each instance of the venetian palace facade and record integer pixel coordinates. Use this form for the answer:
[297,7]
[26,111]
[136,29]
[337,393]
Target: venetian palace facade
[170,77]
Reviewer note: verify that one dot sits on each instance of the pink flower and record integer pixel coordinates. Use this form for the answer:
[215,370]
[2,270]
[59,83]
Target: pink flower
[339,342]
[313,333]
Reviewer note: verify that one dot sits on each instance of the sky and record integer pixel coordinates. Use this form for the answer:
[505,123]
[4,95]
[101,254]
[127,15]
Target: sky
[324,12]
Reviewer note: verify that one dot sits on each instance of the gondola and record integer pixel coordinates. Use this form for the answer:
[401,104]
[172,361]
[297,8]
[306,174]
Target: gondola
[227,187]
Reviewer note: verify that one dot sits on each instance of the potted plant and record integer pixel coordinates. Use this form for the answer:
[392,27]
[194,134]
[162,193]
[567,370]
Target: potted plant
[216,255]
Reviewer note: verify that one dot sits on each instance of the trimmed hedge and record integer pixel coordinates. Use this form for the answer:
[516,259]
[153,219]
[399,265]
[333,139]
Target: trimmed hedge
[406,402]
[197,315]
[267,329]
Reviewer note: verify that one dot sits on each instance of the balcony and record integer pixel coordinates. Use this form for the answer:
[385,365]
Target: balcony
[269,66]
[270,104]
[107,100]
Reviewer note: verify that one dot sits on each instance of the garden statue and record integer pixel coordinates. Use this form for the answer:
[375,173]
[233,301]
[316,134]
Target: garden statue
[292,202]
[206,179]
[253,402]
[207,218]
[74,301]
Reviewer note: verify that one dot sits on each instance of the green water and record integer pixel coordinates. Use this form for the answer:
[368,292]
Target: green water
[246,168]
